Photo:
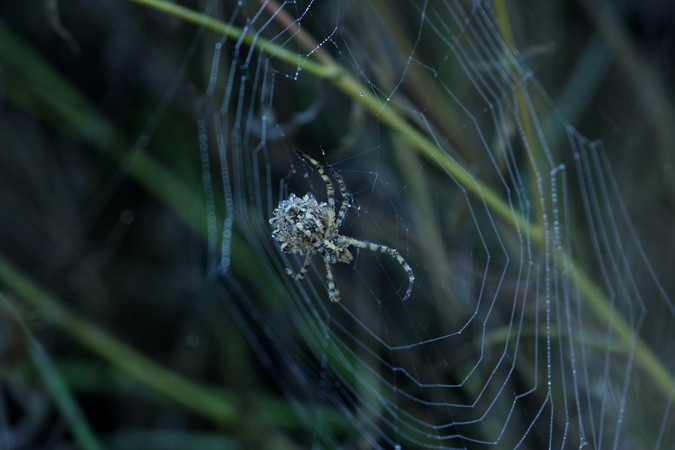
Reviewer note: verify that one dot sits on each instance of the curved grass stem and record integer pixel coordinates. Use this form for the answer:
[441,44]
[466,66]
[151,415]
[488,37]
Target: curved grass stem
[385,113]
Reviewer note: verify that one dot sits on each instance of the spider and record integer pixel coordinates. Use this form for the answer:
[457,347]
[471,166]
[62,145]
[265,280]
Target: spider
[305,226]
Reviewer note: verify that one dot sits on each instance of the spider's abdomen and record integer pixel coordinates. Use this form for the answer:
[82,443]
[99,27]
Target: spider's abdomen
[299,223]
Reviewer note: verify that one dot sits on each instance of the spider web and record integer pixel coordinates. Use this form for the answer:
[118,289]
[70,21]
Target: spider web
[526,326]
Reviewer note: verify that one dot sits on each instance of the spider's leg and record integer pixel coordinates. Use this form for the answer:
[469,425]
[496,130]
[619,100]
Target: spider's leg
[345,198]
[387,251]
[330,190]
[300,275]
[333,291]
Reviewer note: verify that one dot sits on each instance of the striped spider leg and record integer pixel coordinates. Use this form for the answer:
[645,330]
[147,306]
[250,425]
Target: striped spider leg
[351,242]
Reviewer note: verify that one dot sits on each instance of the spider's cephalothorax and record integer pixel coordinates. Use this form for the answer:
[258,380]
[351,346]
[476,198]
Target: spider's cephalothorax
[305,226]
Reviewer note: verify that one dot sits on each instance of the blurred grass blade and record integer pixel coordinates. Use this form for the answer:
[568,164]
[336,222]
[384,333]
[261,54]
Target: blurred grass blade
[164,439]
[216,405]
[37,88]
[165,382]
[58,388]
[70,410]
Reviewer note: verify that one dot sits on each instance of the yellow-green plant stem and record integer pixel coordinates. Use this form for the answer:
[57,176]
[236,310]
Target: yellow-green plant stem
[597,301]
[386,114]
[532,148]
[293,59]
[344,81]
